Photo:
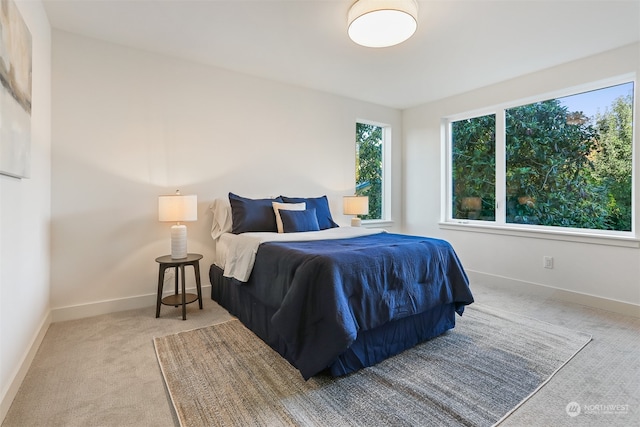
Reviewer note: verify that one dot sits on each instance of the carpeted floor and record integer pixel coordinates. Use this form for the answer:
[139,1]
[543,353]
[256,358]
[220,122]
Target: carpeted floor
[103,371]
[473,375]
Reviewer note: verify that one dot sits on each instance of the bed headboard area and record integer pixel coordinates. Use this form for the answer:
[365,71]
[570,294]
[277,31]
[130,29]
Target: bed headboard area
[237,214]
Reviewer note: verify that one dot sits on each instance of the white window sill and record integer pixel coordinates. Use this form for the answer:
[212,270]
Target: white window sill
[377,223]
[563,235]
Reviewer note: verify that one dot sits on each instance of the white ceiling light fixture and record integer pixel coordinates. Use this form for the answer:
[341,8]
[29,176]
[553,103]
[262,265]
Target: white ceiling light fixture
[382,23]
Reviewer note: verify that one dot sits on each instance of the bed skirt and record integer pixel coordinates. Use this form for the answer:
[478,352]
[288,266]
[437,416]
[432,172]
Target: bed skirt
[369,348]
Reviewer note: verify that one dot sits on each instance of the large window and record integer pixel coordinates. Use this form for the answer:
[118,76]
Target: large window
[370,167]
[563,162]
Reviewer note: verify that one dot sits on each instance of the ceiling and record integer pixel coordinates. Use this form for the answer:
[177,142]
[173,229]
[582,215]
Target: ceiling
[459,45]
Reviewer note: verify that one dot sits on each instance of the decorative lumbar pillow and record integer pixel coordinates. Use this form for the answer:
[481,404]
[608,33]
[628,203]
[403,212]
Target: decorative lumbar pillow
[277,207]
[252,214]
[320,204]
[299,221]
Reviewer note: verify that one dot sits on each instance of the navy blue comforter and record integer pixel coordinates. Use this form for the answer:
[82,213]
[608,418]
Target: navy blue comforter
[324,292]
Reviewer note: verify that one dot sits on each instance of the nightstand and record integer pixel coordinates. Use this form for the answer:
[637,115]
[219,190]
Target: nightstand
[179,298]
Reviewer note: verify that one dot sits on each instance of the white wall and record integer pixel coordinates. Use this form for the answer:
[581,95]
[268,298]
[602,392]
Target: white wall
[593,269]
[24,227]
[130,125]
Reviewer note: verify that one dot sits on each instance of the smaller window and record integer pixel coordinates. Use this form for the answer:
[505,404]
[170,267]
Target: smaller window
[370,141]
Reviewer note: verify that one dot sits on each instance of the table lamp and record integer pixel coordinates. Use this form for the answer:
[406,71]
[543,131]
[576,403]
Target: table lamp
[355,205]
[178,208]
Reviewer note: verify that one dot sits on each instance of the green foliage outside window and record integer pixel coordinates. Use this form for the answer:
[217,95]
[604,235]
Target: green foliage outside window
[613,161]
[549,170]
[369,141]
[474,168]
[562,168]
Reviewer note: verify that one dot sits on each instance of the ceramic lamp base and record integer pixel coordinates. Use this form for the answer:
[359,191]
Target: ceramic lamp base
[178,241]
[356,222]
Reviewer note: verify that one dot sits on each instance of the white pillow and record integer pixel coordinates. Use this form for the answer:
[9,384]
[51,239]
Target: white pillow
[222,219]
[287,207]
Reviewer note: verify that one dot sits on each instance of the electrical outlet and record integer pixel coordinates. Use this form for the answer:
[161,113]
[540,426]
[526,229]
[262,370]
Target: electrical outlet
[547,262]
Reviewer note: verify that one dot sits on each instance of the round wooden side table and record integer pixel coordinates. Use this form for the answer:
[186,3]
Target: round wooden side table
[179,298]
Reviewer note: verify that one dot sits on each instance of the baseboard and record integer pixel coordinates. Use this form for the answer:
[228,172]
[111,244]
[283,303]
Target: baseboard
[12,390]
[80,311]
[594,301]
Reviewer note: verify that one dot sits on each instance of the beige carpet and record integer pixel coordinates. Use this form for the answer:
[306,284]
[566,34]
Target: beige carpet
[474,375]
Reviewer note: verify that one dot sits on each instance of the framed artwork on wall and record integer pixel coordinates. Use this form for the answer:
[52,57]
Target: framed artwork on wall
[15,92]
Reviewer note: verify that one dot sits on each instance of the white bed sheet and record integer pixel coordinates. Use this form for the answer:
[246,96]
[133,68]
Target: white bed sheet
[236,253]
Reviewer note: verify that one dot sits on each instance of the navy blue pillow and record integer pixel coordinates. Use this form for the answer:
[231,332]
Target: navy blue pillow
[320,204]
[298,221]
[252,214]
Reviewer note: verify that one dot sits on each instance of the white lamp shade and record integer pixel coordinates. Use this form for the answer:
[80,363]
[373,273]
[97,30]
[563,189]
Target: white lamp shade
[178,208]
[382,23]
[355,205]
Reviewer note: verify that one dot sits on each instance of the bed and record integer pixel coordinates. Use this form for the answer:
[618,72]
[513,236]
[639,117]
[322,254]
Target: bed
[327,298]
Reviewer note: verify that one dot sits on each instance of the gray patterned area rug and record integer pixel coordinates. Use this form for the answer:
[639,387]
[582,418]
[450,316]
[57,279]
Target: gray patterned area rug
[475,374]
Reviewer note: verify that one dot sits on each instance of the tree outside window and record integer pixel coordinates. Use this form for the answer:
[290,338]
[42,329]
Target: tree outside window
[568,162]
[369,167]
[473,146]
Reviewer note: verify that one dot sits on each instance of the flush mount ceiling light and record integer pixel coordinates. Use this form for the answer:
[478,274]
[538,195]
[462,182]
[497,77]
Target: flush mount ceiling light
[382,23]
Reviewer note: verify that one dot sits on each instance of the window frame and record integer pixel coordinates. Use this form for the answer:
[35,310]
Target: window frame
[386,171]
[499,225]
